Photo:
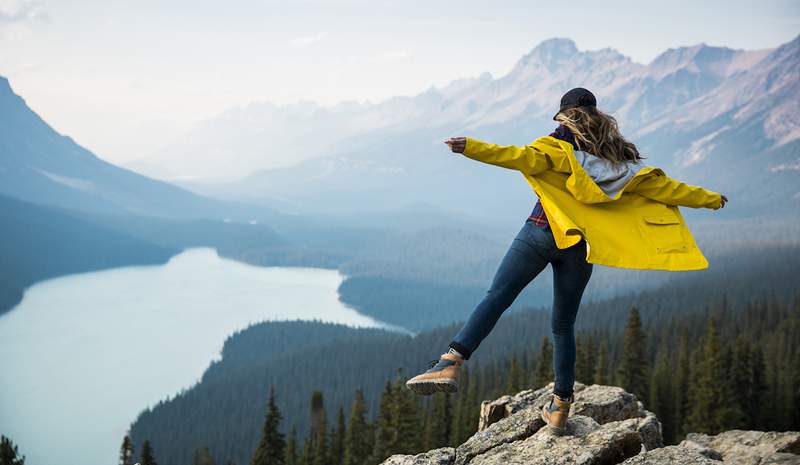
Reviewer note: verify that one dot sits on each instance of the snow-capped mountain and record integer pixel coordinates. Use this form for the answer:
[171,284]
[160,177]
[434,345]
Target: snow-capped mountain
[716,116]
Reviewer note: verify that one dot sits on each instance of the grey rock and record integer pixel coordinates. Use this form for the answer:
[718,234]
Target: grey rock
[519,425]
[605,403]
[672,455]
[650,430]
[607,425]
[505,406]
[781,458]
[701,449]
[602,403]
[516,417]
[443,456]
[741,447]
[585,442]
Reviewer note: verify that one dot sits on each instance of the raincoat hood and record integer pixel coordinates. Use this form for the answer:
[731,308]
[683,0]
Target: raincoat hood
[596,180]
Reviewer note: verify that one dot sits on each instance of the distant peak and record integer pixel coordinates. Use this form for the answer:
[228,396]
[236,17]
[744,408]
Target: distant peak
[700,54]
[558,45]
[550,52]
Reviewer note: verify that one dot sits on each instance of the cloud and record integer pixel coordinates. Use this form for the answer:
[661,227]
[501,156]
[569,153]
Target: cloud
[18,11]
[308,40]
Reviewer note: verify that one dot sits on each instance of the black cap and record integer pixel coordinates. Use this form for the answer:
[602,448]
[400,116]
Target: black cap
[577,97]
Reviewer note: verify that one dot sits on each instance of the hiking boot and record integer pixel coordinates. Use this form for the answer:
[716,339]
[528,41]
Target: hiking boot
[442,375]
[555,413]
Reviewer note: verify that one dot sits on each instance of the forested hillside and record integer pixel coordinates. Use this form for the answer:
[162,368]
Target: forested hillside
[439,276]
[43,242]
[703,373]
[752,297]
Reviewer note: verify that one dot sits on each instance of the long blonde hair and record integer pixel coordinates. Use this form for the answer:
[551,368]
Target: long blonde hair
[598,133]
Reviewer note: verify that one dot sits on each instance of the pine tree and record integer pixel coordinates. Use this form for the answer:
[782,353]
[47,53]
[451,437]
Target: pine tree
[357,447]
[793,411]
[729,413]
[661,396]
[147,454]
[384,425]
[758,390]
[632,371]
[406,437]
[461,412]
[514,382]
[437,428]
[710,403]
[271,448]
[9,453]
[740,379]
[544,369]
[681,389]
[319,430]
[602,364]
[126,451]
[581,361]
[337,439]
[588,376]
[473,404]
[307,453]
[203,457]
[290,456]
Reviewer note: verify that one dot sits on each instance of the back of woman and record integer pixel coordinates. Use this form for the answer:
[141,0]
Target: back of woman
[598,204]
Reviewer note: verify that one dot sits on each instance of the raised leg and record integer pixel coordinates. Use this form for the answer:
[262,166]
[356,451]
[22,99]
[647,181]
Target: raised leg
[525,259]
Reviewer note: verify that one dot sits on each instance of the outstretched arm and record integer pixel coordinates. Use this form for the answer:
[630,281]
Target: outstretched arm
[527,159]
[664,189]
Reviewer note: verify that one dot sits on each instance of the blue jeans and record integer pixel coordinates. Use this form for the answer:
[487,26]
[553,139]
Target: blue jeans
[529,254]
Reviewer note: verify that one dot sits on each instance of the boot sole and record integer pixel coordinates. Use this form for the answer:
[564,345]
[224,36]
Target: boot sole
[432,386]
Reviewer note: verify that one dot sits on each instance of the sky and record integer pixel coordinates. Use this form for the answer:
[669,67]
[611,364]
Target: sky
[123,78]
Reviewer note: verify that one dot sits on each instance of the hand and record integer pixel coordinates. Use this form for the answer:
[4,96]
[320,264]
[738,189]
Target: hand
[722,204]
[457,144]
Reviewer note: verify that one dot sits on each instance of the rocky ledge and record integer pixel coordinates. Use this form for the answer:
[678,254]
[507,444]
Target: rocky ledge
[607,426]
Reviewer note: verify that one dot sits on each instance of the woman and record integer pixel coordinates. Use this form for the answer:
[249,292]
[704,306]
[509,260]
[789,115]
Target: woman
[597,204]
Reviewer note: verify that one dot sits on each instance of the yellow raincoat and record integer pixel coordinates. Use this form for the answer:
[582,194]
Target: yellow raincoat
[639,227]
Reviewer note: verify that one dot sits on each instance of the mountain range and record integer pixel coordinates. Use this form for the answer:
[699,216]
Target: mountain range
[37,164]
[723,118]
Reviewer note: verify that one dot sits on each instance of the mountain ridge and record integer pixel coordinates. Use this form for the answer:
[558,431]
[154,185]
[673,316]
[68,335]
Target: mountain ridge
[40,165]
[694,111]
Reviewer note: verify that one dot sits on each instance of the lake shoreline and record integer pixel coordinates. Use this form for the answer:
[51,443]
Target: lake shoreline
[169,323]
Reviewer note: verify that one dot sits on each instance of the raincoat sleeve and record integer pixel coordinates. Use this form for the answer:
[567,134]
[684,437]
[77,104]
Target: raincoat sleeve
[528,159]
[664,189]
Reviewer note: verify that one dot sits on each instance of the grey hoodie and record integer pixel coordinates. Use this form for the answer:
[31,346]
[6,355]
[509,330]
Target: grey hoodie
[610,177]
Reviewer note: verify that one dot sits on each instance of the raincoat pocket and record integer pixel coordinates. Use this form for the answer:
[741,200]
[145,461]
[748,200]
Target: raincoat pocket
[664,232]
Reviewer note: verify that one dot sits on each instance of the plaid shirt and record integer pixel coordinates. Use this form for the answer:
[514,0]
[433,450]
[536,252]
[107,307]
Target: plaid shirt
[537,216]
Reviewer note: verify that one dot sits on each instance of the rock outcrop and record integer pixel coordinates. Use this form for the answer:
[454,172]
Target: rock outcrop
[752,447]
[607,426]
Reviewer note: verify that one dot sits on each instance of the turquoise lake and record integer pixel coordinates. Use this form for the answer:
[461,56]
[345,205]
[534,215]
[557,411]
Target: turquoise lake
[84,354]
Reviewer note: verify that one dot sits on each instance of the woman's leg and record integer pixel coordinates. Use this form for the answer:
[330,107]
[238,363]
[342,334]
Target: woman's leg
[525,259]
[571,273]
